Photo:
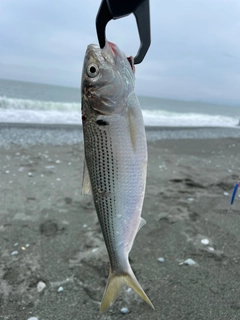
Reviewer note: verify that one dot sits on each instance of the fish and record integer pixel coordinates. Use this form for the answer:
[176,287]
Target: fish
[115,165]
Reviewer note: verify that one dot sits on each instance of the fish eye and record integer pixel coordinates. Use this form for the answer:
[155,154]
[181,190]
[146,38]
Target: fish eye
[92,70]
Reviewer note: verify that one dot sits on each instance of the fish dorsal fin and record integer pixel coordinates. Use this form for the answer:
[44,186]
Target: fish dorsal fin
[141,224]
[86,184]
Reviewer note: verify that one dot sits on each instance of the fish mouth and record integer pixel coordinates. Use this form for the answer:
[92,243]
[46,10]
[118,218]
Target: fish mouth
[111,53]
[115,51]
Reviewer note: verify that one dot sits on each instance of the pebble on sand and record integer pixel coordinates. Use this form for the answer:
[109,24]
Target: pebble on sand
[30,174]
[205,242]
[226,194]
[211,249]
[161,259]
[14,253]
[188,262]
[124,310]
[33,318]
[41,286]
[60,289]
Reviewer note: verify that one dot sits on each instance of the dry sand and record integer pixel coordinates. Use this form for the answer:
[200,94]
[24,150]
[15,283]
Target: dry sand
[56,234]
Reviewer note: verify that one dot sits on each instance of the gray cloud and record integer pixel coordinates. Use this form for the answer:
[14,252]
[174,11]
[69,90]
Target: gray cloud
[194,52]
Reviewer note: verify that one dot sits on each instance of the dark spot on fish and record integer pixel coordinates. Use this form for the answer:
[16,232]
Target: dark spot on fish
[83,118]
[102,123]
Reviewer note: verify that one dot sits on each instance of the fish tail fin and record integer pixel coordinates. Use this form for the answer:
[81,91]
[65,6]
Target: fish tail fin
[112,291]
[131,280]
[114,285]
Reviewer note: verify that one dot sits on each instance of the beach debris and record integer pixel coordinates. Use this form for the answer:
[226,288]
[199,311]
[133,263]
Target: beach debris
[235,191]
[41,286]
[60,289]
[49,167]
[225,194]
[161,259]
[205,242]
[124,310]
[211,249]
[14,253]
[188,262]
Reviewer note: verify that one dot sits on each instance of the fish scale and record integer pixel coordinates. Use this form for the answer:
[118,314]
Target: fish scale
[116,159]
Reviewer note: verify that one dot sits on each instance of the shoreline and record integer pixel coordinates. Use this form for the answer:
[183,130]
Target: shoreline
[65,126]
[26,135]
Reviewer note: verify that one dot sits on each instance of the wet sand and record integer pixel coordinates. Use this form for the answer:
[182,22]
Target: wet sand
[50,233]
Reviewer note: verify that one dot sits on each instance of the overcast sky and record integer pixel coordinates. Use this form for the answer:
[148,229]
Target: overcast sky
[194,54]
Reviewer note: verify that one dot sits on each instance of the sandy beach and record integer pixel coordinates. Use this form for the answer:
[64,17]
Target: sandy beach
[49,233]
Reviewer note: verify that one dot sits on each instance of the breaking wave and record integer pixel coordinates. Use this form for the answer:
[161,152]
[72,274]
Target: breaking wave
[34,111]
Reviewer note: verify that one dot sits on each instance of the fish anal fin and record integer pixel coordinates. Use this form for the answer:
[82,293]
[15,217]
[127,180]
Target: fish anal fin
[142,223]
[86,184]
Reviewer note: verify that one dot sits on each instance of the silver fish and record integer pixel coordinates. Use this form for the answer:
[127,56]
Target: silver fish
[115,159]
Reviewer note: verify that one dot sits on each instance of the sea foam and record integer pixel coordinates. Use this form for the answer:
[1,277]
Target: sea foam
[35,111]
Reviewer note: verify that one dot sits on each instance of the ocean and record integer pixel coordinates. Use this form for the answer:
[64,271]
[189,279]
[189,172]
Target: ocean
[33,103]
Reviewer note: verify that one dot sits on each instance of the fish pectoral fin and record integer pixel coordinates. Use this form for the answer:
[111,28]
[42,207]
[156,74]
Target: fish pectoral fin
[132,128]
[142,223]
[86,184]
[114,285]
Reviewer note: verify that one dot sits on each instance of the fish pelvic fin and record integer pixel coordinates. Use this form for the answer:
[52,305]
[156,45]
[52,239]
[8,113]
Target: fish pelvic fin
[114,286]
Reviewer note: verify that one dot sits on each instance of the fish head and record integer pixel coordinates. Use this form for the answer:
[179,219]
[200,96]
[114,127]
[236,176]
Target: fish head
[107,79]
